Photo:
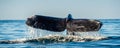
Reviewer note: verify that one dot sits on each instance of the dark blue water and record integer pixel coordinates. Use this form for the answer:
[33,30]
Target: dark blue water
[16,29]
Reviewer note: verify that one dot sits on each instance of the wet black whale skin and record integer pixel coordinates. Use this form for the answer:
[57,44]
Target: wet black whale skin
[60,24]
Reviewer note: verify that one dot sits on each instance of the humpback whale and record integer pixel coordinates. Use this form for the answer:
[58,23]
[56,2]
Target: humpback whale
[60,24]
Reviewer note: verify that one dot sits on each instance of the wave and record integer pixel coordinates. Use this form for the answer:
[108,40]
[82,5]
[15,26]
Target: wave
[43,36]
[54,39]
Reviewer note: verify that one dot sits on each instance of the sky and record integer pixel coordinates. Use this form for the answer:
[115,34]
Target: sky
[87,9]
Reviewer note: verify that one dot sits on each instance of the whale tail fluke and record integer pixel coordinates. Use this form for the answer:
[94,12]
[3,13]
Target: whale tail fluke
[60,24]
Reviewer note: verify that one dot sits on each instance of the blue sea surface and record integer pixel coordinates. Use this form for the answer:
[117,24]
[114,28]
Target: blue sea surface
[16,29]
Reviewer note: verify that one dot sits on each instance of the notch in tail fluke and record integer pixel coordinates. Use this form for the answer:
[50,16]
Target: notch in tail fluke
[69,18]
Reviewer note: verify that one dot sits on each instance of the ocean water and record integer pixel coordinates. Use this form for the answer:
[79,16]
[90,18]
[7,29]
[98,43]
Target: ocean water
[18,30]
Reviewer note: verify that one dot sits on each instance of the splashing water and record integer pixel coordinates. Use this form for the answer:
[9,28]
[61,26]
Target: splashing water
[43,36]
[92,35]
[38,33]
[32,33]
